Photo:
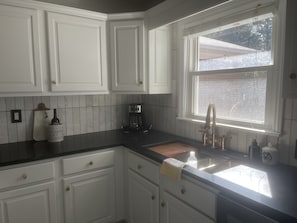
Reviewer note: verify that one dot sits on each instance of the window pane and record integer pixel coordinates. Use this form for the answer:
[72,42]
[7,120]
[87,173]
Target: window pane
[237,96]
[247,45]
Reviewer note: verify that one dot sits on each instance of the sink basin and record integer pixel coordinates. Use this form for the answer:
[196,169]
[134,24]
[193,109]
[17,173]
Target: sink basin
[207,161]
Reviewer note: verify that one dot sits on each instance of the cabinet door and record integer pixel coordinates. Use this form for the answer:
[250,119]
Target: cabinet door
[160,61]
[127,56]
[34,204]
[290,68]
[20,68]
[77,48]
[174,210]
[90,197]
[143,200]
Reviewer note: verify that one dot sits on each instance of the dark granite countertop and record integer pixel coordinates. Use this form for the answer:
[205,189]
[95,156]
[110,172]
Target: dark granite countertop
[282,206]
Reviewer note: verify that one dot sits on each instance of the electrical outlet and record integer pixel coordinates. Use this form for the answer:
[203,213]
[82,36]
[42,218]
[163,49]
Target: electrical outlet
[16,116]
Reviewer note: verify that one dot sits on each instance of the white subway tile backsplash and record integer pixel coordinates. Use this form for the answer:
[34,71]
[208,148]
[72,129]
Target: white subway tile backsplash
[288,110]
[69,121]
[68,101]
[102,119]
[82,101]
[28,103]
[36,101]
[12,130]
[83,119]
[96,118]
[3,129]
[75,100]
[46,101]
[21,129]
[76,121]
[79,114]
[53,102]
[89,100]
[20,103]
[294,115]
[2,104]
[10,103]
[29,124]
[90,119]
[293,142]
[61,102]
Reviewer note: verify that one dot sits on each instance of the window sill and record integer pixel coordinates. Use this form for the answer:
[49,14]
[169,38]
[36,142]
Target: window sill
[239,128]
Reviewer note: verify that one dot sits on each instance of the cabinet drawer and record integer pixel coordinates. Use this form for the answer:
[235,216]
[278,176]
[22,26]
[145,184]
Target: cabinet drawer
[191,193]
[88,162]
[25,175]
[144,167]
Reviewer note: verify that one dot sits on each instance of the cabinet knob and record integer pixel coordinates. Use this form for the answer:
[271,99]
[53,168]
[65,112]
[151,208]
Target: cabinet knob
[153,197]
[24,176]
[183,191]
[54,82]
[139,166]
[91,163]
[163,204]
[293,76]
[140,82]
[67,189]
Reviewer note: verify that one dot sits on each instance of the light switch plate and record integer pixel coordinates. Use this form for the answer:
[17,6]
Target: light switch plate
[16,116]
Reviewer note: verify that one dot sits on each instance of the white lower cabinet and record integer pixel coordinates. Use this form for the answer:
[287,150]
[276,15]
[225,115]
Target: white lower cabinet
[34,204]
[143,200]
[174,210]
[90,197]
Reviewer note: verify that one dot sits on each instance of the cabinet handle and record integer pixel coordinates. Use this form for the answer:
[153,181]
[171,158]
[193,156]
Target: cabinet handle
[153,197]
[163,204]
[54,82]
[183,191]
[91,163]
[67,189]
[24,176]
[139,166]
[293,76]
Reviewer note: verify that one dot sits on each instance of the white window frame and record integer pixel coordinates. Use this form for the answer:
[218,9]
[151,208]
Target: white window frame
[228,14]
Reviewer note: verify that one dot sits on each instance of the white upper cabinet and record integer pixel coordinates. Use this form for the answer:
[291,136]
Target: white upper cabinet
[127,55]
[20,59]
[77,49]
[160,61]
[290,68]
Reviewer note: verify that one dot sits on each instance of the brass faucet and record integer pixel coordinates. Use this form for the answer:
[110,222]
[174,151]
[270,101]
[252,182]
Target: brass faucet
[211,108]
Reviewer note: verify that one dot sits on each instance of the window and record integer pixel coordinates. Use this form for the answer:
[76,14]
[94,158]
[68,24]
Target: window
[233,66]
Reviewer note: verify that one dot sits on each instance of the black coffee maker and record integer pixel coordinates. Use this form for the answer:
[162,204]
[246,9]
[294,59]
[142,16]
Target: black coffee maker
[136,120]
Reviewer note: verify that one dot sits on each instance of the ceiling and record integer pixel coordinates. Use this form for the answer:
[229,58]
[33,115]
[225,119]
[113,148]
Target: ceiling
[108,6]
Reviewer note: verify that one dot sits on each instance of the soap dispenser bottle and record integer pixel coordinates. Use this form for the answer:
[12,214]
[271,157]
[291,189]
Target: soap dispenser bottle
[254,151]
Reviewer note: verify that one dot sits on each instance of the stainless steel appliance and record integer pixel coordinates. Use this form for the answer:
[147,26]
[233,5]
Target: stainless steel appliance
[136,119]
[231,211]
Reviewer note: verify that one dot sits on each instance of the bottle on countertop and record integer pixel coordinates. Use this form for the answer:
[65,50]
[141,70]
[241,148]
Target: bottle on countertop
[269,155]
[254,151]
[192,160]
[55,120]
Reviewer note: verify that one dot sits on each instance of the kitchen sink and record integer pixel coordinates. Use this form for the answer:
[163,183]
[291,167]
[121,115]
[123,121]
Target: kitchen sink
[207,160]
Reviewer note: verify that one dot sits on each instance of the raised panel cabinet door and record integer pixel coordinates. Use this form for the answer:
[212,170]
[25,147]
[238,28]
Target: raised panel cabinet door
[20,57]
[160,61]
[90,197]
[77,48]
[143,200]
[34,204]
[174,210]
[127,55]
